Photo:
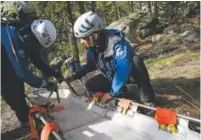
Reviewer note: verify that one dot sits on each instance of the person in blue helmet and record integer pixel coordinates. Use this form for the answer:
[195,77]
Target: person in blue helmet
[21,46]
[110,53]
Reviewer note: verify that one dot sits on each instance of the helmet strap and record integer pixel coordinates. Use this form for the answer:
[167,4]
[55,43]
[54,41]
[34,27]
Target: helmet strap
[101,40]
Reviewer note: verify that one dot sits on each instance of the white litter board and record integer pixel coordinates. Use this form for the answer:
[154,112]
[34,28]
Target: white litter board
[103,129]
[79,122]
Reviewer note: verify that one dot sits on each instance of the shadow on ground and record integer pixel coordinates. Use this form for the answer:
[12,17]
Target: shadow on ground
[16,134]
[180,87]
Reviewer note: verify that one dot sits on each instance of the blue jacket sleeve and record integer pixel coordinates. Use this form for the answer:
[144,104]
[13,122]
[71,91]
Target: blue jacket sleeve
[89,66]
[20,64]
[32,79]
[122,66]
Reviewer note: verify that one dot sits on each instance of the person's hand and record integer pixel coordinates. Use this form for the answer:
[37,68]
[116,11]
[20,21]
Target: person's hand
[48,85]
[106,97]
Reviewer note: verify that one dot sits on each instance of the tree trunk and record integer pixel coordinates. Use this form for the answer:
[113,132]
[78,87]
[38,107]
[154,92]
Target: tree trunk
[102,15]
[149,6]
[132,6]
[156,8]
[43,6]
[93,6]
[81,7]
[74,41]
[140,4]
[118,14]
[118,11]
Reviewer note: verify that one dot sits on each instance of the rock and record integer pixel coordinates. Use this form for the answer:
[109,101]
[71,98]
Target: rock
[174,41]
[193,9]
[154,38]
[159,49]
[189,36]
[184,33]
[138,26]
[186,27]
[179,28]
[128,23]
[163,39]
[157,38]
[171,29]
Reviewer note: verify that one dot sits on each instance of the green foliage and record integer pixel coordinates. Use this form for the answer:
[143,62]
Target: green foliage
[110,11]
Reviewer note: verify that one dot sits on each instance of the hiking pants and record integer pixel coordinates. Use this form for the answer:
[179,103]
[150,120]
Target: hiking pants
[12,88]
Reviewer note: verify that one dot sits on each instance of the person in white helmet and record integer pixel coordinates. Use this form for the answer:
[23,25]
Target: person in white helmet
[20,47]
[110,53]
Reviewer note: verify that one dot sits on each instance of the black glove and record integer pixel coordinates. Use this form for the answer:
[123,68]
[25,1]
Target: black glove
[51,86]
[58,75]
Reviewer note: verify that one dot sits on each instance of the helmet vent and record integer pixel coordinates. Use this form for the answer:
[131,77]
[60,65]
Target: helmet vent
[86,28]
[89,23]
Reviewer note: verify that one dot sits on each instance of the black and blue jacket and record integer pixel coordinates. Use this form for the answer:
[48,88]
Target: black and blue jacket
[20,58]
[115,63]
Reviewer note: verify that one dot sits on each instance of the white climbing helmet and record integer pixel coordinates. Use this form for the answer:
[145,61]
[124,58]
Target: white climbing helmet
[44,31]
[87,24]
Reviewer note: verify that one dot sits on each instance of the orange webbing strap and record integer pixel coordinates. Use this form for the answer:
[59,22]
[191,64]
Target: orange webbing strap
[165,116]
[48,128]
[34,132]
[99,94]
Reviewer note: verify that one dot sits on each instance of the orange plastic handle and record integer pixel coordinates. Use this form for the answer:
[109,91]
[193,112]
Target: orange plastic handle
[165,116]
[47,130]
